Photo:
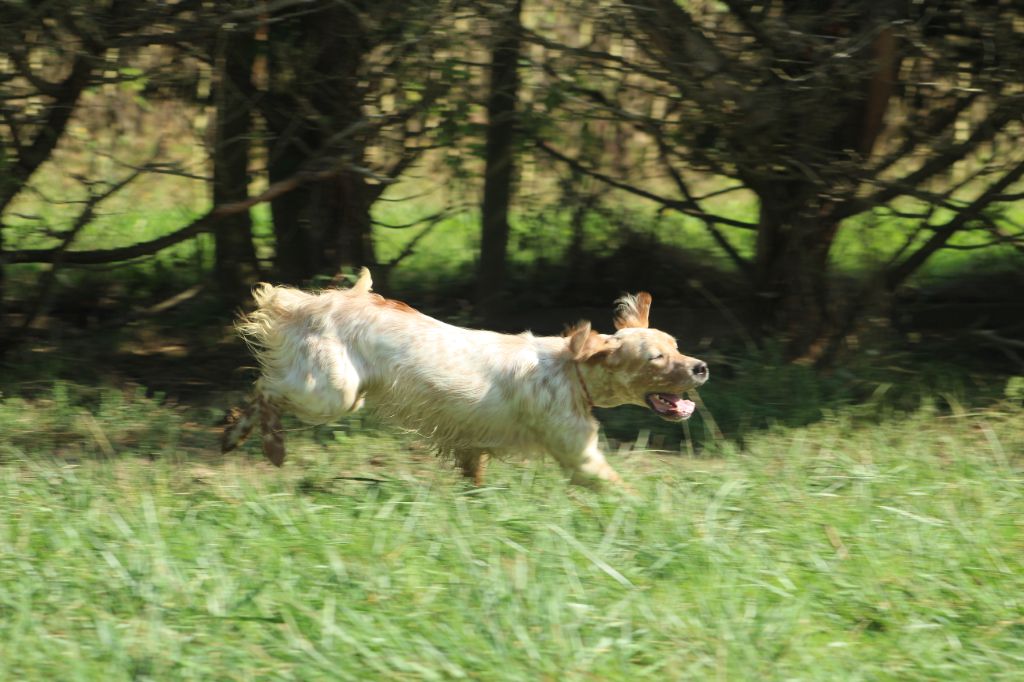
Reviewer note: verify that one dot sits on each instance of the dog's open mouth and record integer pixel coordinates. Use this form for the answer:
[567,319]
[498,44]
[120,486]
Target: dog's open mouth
[670,406]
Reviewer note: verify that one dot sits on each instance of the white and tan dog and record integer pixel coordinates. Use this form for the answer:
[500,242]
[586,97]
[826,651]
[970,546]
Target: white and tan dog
[471,392]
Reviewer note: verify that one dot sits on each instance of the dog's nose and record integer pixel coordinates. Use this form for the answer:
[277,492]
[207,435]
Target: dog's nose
[700,370]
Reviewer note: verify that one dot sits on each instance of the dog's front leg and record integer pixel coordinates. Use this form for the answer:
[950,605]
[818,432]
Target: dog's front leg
[473,464]
[593,469]
[585,463]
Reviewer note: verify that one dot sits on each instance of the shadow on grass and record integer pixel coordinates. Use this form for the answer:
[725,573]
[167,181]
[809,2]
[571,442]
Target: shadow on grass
[754,391]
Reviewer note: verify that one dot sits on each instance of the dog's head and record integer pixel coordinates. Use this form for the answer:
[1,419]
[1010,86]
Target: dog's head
[636,365]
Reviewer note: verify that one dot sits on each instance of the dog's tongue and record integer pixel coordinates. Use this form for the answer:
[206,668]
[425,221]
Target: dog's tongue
[683,406]
[669,403]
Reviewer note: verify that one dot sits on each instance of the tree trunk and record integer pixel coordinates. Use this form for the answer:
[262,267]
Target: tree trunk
[797,226]
[500,159]
[341,206]
[791,292]
[314,67]
[235,259]
[295,254]
[3,292]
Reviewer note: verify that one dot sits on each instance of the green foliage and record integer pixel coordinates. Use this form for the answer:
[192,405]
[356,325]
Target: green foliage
[842,549]
[870,239]
[633,242]
[622,247]
[1015,389]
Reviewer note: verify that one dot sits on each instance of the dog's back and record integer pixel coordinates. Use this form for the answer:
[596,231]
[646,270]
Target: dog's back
[322,355]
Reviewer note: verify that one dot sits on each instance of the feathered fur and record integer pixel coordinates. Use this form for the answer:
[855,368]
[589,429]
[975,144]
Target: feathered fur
[322,355]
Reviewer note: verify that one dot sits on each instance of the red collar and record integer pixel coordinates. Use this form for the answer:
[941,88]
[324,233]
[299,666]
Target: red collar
[583,385]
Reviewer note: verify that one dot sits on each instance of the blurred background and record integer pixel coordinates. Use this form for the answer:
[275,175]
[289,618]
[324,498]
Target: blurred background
[799,183]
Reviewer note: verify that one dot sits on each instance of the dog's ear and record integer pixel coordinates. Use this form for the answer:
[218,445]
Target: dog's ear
[633,310]
[586,344]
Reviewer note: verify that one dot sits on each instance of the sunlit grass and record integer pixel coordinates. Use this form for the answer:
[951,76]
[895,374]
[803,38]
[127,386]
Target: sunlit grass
[864,244]
[844,549]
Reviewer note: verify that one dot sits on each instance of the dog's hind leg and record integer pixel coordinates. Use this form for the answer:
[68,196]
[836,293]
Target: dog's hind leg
[270,428]
[238,424]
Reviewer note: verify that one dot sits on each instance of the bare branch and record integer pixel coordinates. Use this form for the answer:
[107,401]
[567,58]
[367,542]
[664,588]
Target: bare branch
[410,248]
[754,25]
[923,132]
[675,35]
[674,204]
[46,285]
[1008,111]
[419,221]
[899,273]
[34,153]
[200,225]
[606,58]
[742,263]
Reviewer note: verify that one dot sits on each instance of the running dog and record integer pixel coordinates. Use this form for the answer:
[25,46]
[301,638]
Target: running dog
[473,393]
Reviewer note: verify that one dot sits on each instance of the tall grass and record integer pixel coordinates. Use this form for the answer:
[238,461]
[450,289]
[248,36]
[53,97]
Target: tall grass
[838,549]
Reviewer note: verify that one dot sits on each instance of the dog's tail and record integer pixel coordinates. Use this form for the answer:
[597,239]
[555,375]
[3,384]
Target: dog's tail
[264,331]
[239,422]
[262,328]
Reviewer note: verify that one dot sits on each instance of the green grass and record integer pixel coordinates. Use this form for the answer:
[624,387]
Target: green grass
[853,549]
[539,241]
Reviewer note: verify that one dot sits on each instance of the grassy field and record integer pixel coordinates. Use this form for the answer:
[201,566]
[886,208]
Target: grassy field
[864,545]
[867,524]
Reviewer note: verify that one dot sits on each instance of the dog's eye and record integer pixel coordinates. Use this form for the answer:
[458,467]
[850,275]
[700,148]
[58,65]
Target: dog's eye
[657,357]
